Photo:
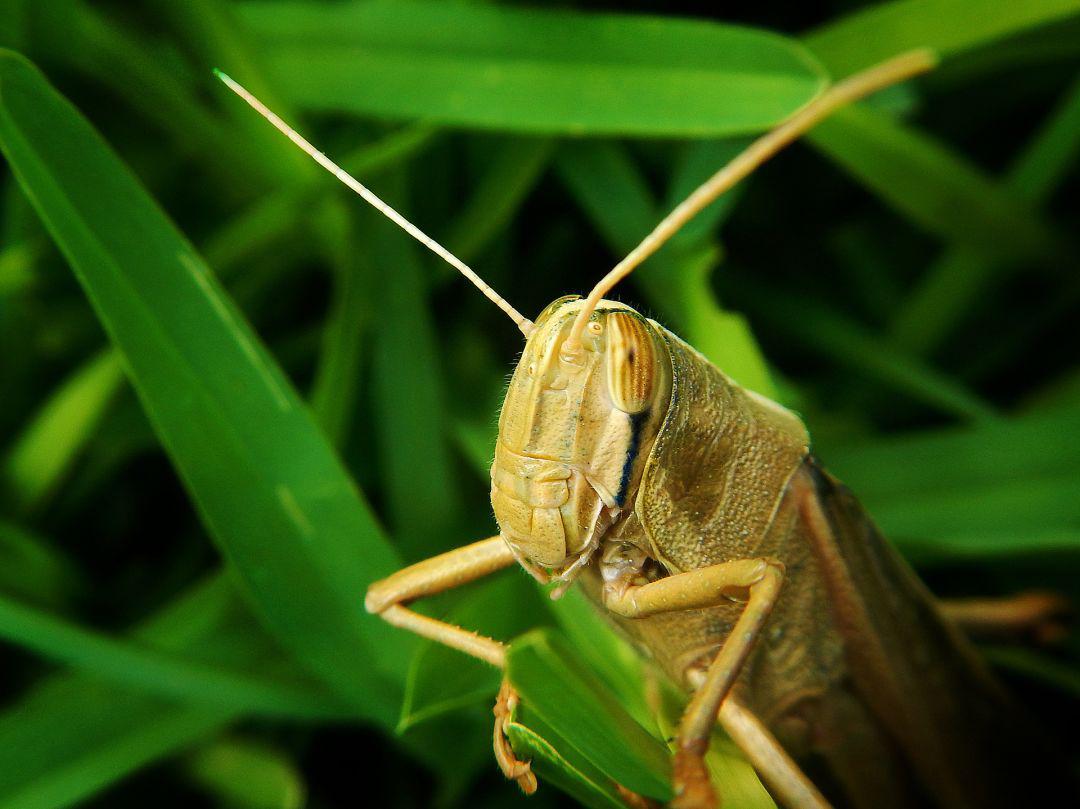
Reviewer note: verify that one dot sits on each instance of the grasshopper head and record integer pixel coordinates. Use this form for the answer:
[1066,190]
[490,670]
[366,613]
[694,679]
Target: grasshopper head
[575,430]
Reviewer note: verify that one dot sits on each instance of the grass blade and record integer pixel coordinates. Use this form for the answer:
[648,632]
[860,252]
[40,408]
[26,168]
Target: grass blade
[73,735]
[247,775]
[34,466]
[1000,487]
[559,690]
[516,166]
[841,340]
[265,481]
[32,569]
[959,277]
[927,183]
[409,398]
[949,27]
[441,679]
[336,387]
[126,664]
[533,70]
[576,778]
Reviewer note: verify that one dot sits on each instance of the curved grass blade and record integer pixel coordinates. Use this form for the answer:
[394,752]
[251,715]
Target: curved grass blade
[516,166]
[999,487]
[273,495]
[47,766]
[129,664]
[560,691]
[829,333]
[409,397]
[247,775]
[336,386]
[33,569]
[532,70]
[948,26]
[50,443]
[926,182]
[72,735]
[576,778]
[961,275]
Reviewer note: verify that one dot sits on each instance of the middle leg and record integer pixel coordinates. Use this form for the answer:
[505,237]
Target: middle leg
[757,581]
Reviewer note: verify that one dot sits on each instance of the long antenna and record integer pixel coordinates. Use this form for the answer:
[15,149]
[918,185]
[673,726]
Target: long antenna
[894,70]
[522,322]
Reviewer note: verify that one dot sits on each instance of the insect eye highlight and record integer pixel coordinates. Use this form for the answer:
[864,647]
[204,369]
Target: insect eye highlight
[631,362]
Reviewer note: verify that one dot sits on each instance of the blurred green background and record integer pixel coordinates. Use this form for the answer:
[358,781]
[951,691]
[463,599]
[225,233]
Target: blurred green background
[183,552]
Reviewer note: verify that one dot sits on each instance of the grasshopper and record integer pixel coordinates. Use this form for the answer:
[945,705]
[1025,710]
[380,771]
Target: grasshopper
[695,515]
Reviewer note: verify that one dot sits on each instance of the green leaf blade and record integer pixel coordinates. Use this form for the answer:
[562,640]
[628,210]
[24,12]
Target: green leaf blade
[528,70]
[264,480]
[948,26]
[558,688]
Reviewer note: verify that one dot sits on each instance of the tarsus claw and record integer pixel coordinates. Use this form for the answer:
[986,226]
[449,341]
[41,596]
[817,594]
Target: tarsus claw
[512,767]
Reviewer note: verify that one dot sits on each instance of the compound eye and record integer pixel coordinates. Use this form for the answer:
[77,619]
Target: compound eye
[631,362]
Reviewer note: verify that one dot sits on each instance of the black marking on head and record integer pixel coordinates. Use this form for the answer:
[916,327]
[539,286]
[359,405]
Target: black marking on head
[637,421]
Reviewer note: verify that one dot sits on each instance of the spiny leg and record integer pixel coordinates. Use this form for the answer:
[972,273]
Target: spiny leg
[759,581]
[444,572]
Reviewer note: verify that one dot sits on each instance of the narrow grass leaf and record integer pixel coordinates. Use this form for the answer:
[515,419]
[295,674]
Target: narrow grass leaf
[834,336]
[936,189]
[278,215]
[246,775]
[49,766]
[104,47]
[950,27]
[561,691]
[576,778]
[210,31]
[623,672]
[516,165]
[336,387]
[50,443]
[1036,666]
[273,495]
[72,735]
[1027,509]
[606,653]
[533,70]
[32,569]
[697,163]
[408,392]
[130,664]
[991,453]
[996,488]
[955,282]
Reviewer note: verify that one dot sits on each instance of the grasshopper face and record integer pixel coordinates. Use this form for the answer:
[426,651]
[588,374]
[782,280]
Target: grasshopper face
[574,433]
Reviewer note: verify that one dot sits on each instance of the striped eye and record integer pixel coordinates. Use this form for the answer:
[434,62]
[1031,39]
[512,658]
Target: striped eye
[631,362]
